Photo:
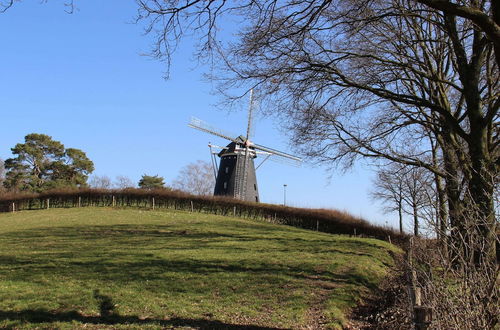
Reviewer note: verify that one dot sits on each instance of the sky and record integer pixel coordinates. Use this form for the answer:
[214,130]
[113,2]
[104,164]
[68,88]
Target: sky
[83,79]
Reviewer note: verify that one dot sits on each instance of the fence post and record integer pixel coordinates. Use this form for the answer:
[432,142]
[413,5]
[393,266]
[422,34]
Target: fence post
[114,201]
[234,211]
[48,203]
[192,206]
[79,201]
[317,225]
[153,199]
[422,315]
[13,207]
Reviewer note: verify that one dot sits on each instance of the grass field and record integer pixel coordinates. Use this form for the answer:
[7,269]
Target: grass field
[111,268]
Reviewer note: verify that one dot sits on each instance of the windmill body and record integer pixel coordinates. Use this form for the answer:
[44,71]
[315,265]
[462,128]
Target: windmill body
[236,175]
[236,163]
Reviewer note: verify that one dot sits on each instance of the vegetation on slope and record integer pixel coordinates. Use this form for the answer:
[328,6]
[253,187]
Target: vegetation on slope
[102,267]
[329,221]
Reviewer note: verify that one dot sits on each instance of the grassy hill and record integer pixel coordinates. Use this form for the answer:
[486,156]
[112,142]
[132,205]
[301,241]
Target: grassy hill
[111,268]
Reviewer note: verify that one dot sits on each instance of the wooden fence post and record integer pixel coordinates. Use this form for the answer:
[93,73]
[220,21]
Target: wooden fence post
[422,315]
[317,225]
[48,203]
[79,201]
[13,207]
[234,211]
[192,206]
[153,200]
[114,201]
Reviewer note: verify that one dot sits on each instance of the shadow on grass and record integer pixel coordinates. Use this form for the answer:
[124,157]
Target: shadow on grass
[60,253]
[147,268]
[43,316]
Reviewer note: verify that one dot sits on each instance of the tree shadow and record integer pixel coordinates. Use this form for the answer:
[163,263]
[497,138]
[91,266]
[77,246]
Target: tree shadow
[44,316]
[120,265]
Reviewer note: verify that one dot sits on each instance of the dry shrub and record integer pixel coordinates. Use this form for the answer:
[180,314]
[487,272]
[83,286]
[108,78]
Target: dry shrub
[330,221]
[462,295]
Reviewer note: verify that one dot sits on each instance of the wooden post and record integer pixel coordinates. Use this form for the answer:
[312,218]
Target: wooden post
[13,207]
[153,203]
[317,225]
[354,232]
[114,201]
[423,317]
[418,296]
[48,203]
[234,211]
[192,206]
[79,201]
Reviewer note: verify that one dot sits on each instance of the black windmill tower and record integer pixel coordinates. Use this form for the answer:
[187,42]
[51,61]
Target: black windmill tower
[236,175]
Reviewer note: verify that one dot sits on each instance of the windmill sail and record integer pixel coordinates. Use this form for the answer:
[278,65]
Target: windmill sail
[203,126]
[236,175]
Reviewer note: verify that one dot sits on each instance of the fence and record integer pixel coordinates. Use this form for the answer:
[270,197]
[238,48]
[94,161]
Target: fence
[329,221]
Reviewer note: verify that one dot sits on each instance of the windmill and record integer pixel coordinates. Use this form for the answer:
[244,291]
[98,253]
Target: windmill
[235,175]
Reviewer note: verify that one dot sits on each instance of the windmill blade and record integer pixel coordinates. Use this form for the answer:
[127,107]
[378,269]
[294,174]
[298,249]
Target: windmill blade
[277,152]
[284,160]
[250,115]
[203,126]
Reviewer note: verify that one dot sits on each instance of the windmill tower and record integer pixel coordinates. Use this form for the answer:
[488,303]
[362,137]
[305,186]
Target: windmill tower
[236,175]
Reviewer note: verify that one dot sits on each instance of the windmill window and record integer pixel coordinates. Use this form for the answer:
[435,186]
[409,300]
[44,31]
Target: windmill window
[255,187]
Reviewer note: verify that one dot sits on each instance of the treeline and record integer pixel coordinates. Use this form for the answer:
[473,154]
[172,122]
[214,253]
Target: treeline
[329,221]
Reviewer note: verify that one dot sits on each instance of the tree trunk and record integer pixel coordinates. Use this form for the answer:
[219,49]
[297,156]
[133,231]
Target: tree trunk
[415,219]
[481,188]
[452,189]
[400,211]
[442,212]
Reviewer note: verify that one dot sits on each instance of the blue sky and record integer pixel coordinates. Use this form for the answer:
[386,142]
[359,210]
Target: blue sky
[81,79]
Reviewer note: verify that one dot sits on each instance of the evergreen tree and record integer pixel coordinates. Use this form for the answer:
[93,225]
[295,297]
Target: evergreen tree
[41,163]
[151,182]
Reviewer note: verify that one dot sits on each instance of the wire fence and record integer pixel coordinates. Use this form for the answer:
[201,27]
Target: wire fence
[323,220]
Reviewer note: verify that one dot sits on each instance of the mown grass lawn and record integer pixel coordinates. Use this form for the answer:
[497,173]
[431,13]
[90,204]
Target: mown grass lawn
[183,270]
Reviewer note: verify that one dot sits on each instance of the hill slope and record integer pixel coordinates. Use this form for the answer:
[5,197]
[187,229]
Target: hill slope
[101,267]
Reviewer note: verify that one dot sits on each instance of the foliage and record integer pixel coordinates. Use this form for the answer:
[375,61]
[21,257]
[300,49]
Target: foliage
[149,182]
[42,163]
[196,178]
[177,269]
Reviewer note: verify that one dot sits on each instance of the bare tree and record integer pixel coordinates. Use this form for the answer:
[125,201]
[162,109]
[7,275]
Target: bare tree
[123,182]
[196,178]
[416,186]
[2,174]
[406,190]
[100,182]
[359,78]
[6,4]
[388,188]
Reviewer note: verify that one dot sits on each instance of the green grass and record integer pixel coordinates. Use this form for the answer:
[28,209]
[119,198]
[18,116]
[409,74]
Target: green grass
[177,269]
